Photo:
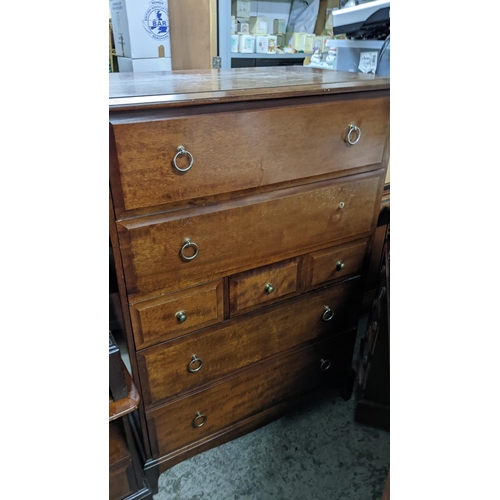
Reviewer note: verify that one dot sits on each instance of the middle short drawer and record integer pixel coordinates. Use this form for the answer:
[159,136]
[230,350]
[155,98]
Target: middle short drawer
[200,358]
[264,286]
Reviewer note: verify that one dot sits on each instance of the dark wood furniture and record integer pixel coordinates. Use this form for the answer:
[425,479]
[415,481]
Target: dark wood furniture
[126,479]
[373,383]
[243,205]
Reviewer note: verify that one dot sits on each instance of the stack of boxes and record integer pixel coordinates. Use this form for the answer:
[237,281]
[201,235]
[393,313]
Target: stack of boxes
[251,34]
[141,33]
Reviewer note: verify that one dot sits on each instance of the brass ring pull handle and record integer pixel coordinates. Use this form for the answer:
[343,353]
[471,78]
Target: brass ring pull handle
[327,314]
[357,137]
[340,265]
[181,316]
[181,151]
[325,364]
[191,366]
[199,420]
[188,243]
[269,288]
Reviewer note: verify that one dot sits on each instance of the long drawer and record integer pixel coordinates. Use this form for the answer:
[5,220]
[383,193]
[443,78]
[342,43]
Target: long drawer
[199,359]
[198,416]
[234,151]
[176,250]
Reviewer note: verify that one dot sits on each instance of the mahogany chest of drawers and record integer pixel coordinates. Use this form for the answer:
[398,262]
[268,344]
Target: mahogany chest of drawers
[243,205]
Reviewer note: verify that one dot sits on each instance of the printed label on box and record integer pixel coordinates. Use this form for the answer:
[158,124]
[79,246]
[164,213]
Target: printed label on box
[261,44]
[141,28]
[368,62]
[155,20]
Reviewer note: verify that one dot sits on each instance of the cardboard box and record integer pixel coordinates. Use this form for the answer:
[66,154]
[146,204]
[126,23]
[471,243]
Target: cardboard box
[261,44]
[297,41]
[258,25]
[140,28]
[240,8]
[272,44]
[234,43]
[320,43]
[279,26]
[243,26]
[309,44]
[246,44]
[127,64]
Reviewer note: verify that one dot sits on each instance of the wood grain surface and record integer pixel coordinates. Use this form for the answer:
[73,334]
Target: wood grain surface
[240,397]
[244,150]
[239,342]
[175,88]
[243,234]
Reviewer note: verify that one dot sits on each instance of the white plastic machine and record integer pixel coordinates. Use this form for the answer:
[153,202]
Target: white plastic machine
[370,20]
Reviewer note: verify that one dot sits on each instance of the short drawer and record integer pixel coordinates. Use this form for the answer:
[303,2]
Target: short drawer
[198,359]
[264,286]
[200,415]
[335,263]
[235,149]
[176,314]
[175,250]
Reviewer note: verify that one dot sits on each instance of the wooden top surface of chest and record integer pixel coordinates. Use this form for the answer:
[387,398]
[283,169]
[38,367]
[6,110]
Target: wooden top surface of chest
[184,88]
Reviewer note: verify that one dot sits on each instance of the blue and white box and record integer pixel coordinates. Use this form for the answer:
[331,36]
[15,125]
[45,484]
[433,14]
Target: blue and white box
[140,28]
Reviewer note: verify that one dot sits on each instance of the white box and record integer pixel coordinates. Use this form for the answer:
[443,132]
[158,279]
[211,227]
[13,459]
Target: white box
[309,44]
[272,44]
[240,8]
[234,43]
[126,64]
[297,41]
[261,44]
[243,26]
[246,44]
[258,25]
[140,27]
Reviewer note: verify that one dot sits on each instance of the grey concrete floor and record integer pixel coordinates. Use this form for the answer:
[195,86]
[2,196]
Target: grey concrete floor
[317,452]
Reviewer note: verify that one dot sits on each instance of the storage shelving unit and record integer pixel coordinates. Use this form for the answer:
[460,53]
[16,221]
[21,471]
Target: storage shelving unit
[272,9]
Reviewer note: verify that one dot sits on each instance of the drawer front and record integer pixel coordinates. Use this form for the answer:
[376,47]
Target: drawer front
[252,391]
[334,263]
[177,313]
[199,359]
[264,286]
[244,234]
[239,150]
